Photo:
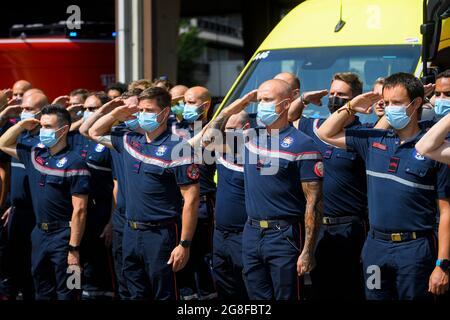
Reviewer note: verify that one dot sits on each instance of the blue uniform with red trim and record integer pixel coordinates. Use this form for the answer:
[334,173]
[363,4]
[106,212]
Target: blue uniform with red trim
[154,203]
[342,233]
[274,170]
[403,187]
[21,221]
[118,218]
[97,269]
[230,219]
[53,179]
[195,279]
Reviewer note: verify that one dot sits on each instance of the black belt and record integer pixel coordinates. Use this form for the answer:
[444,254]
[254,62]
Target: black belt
[266,224]
[136,225]
[399,237]
[340,220]
[52,226]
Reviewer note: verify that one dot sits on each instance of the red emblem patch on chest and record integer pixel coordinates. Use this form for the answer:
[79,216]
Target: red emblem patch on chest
[40,161]
[380,146]
[193,172]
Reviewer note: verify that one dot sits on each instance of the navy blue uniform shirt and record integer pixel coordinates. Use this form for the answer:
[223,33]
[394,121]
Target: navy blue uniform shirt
[344,183]
[230,200]
[20,189]
[279,195]
[53,179]
[153,178]
[403,186]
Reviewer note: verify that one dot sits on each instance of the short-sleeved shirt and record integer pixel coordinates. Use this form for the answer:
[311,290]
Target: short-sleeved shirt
[230,214]
[274,170]
[154,175]
[118,173]
[344,182]
[98,160]
[402,185]
[20,188]
[53,179]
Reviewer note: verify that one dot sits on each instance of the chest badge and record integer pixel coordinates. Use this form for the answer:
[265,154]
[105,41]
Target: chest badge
[287,142]
[160,151]
[61,162]
[99,148]
[417,155]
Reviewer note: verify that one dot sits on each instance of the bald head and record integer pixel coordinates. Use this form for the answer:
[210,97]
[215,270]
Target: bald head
[274,91]
[292,80]
[178,92]
[33,103]
[31,91]
[20,87]
[197,94]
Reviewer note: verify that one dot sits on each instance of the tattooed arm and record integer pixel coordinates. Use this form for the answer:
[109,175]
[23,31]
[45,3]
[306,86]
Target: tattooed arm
[313,219]
[217,126]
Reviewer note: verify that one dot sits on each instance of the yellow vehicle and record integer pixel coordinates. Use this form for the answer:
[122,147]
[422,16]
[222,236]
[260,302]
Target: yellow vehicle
[373,38]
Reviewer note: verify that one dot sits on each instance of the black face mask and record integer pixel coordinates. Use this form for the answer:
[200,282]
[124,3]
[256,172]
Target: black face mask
[335,103]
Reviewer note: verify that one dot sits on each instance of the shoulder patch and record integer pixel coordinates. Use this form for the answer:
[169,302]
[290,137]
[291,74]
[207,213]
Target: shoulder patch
[61,162]
[193,172]
[287,142]
[318,169]
[40,145]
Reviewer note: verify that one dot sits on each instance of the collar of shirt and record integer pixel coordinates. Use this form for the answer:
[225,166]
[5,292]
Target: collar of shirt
[46,152]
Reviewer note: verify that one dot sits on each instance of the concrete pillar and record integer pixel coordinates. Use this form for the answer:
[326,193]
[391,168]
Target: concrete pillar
[147,33]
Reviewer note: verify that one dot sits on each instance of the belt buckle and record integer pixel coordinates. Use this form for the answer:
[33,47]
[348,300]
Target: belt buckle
[325,220]
[396,237]
[44,226]
[264,224]
[133,225]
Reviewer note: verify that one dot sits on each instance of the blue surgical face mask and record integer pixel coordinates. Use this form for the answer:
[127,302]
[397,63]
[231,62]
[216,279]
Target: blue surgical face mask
[266,112]
[48,137]
[397,116]
[149,121]
[442,106]
[190,113]
[178,108]
[86,115]
[133,123]
[27,115]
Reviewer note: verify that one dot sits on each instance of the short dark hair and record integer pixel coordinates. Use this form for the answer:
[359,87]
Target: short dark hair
[352,80]
[100,96]
[444,74]
[413,86]
[80,92]
[119,86]
[131,93]
[62,114]
[168,85]
[162,96]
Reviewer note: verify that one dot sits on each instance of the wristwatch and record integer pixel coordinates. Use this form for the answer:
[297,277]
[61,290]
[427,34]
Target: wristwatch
[185,243]
[303,100]
[74,248]
[444,264]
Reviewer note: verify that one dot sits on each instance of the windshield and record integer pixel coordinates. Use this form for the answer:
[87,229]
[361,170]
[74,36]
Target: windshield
[316,66]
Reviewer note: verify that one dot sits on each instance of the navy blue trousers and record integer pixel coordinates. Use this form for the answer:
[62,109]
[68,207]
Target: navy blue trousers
[338,274]
[49,264]
[270,262]
[227,265]
[118,224]
[145,268]
[405,268]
